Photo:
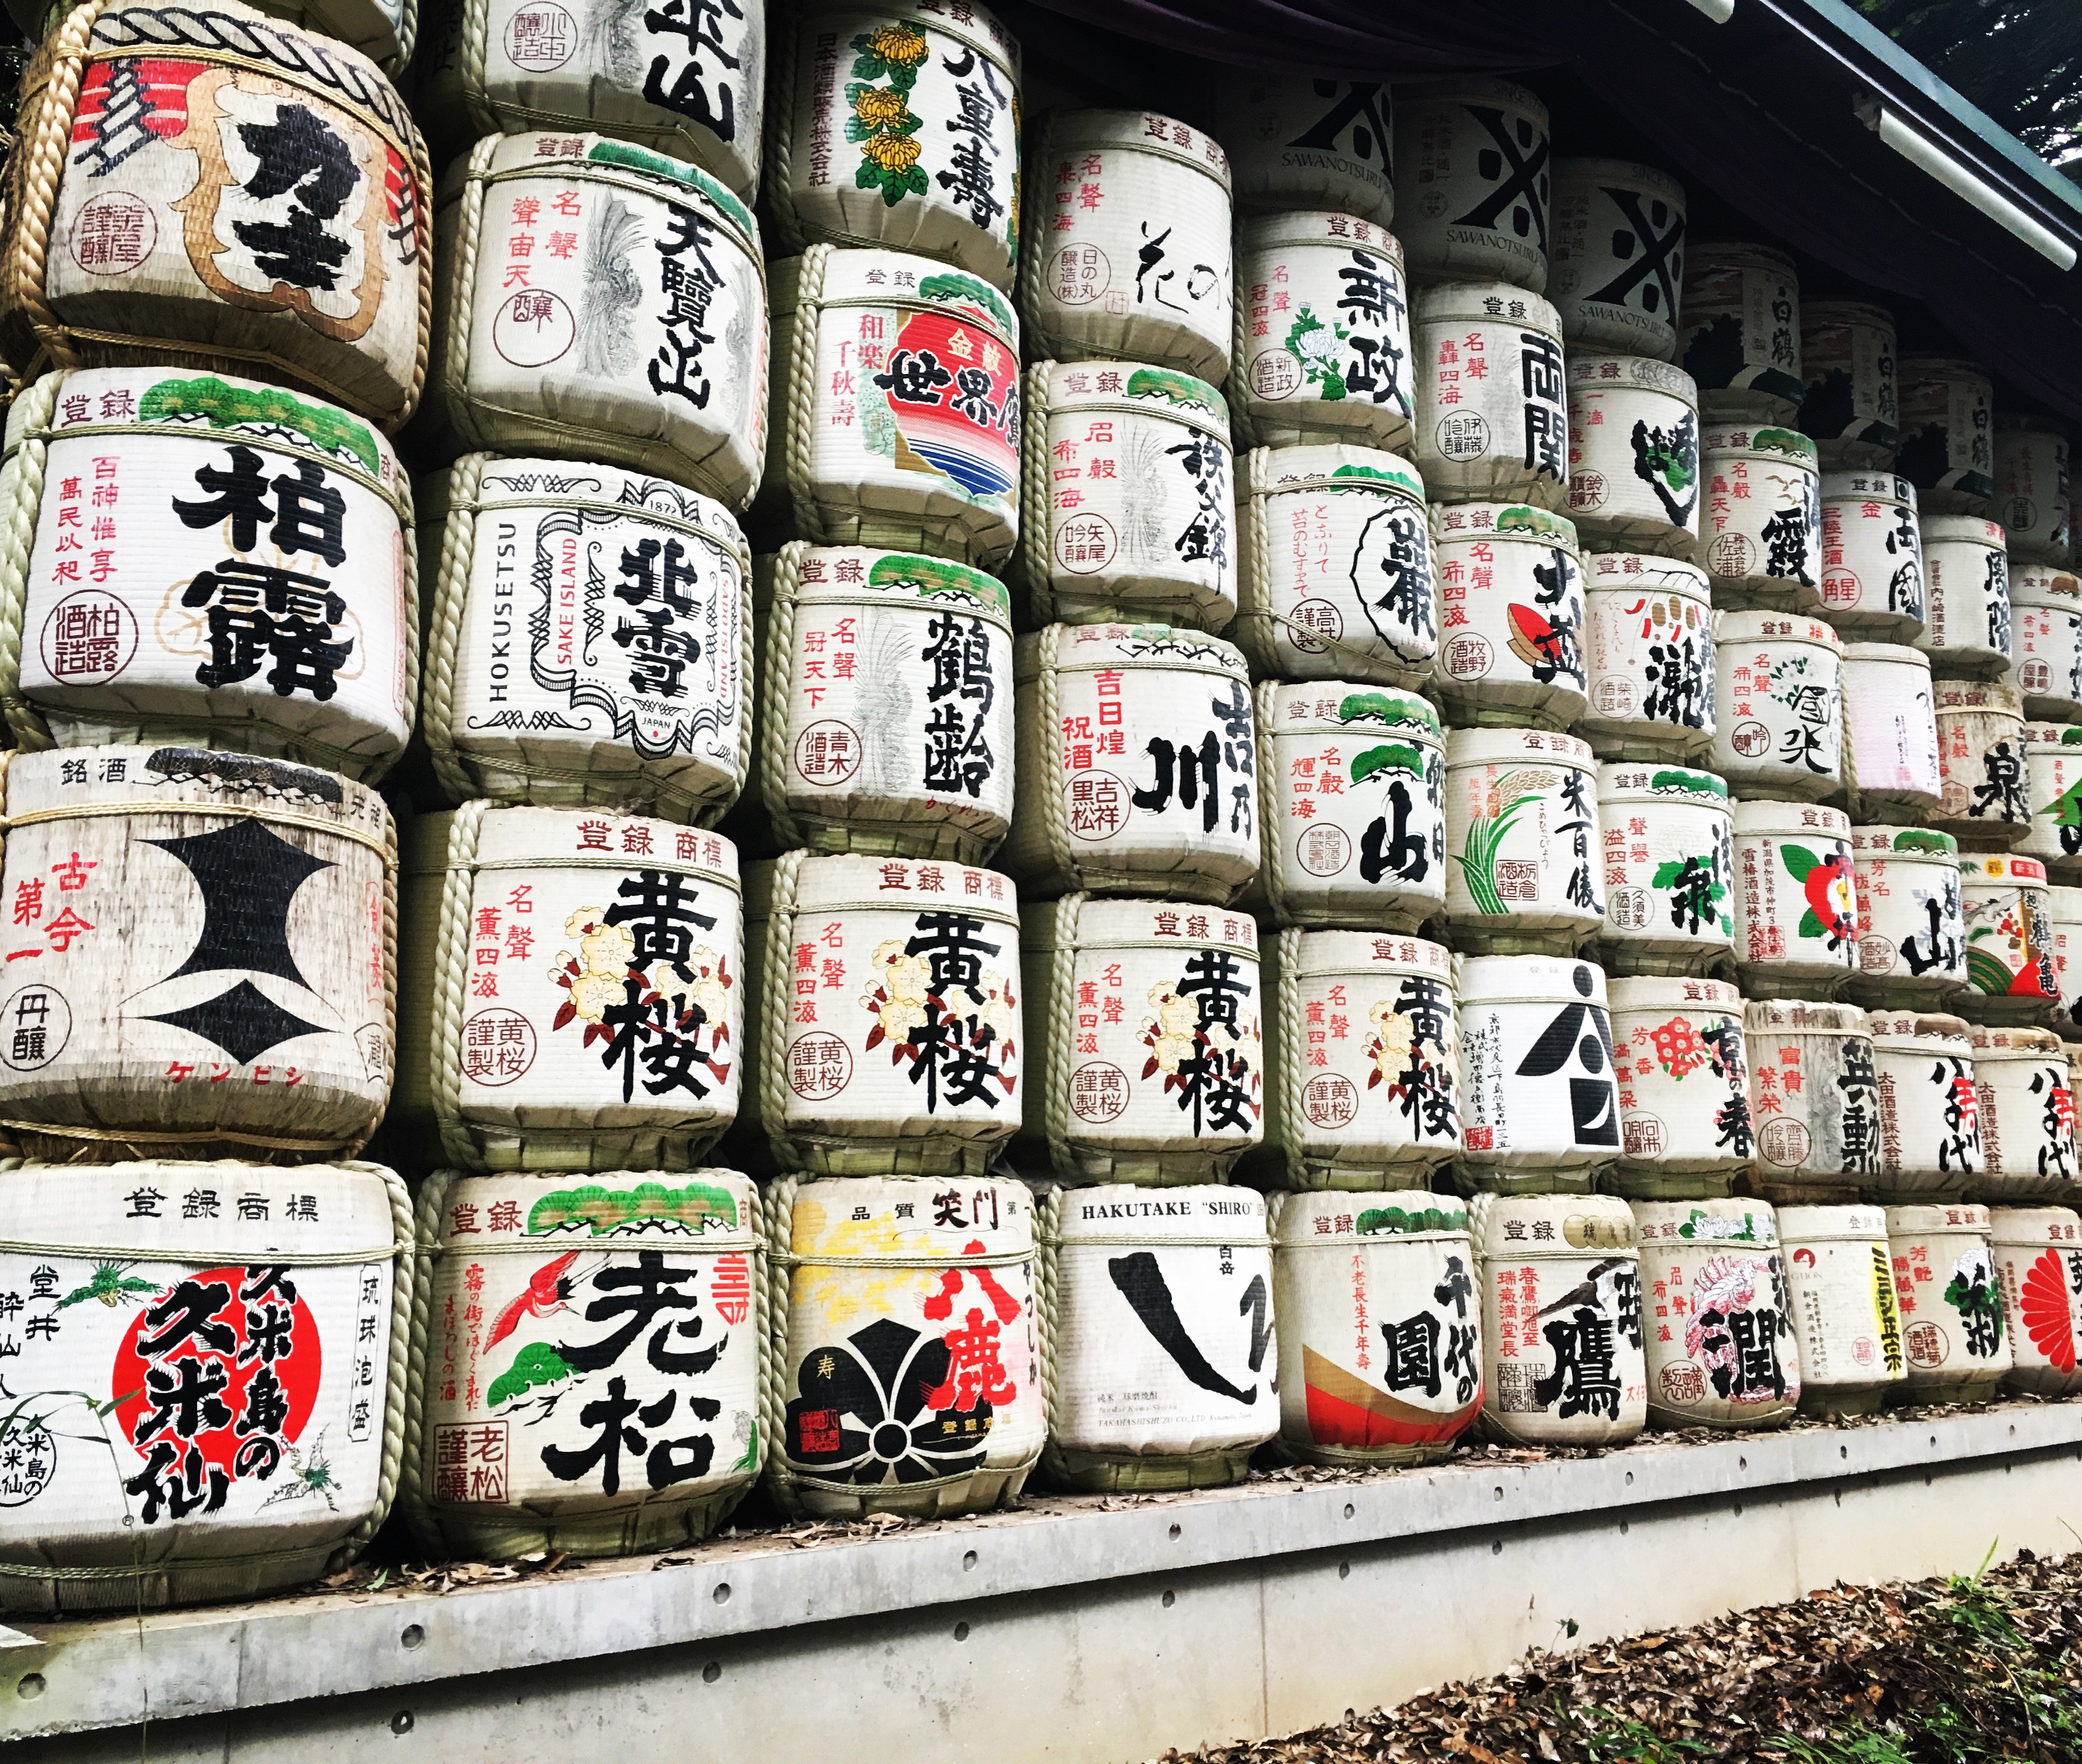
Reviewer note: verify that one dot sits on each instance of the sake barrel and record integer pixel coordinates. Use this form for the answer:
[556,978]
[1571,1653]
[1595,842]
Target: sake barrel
[601,302]
[267,563]
[1522,833]
[1872,556]
[897,126]
[307,250]
[1738,332]
[1126,252]
[1678,1137]
[1845,1315]
[1562,1319]
[896,406]
[218,941]
[1981,755]
[2038,1265]
[229,1415]
[1665,838]
[1968,630]
[2066,914]
[1779,690]
[2023,1084]
[1149,736]
[1719,1325]
[589,1362]
[1472,180]
[592,639]
[1649,658]
[1947,438]
[1149,1021]
[1336,575]
[1380,1355]
[914,1069]
[1158,1338]
[1539,1107]
[1890,730]
[692,87]
[2010,937]
[1852,407]
[1351,783]
[907,1363]
[1322,336]
[885,703]
[2045,641]
[572,989]
[1364,1061]
[1634,454]
[1930,1133]
[1492,407]
[1297,143]
[1129,494]
[2052,784]
[1795,900]
[1617,266]
[1511,638]
[1911,931]
[1761,535]
[2033,495]
[1950,1301]
[1815,1097]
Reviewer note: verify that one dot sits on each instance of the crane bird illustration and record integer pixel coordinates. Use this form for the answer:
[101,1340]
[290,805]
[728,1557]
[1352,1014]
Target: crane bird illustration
[548,1288]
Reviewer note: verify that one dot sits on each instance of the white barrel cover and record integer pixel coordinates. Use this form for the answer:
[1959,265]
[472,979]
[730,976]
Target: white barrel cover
[207,1392]
[1380,1355]
[1667,846]
[1911,926]
[1492,400]
[2067,915]
[2010,937]
[1511,632]
[1522,833]
[2033,496]
[2037,1252]
[1853,408]
[1779,685]
[1844,1312]
[1472,180]
[1815,1096]
[1685,1126]
[1539,1107]
[1760,537]
[1633,453]
[1739,331]
[1947,443]
[905,1346]
[1796,896]
[2025,1084]
[1930,1116]
[1617,266]
[588,1366]
[1951,1301]
[1647,658]
[2053,780]
[1719,1326]
[2045,639]
[1968,635]
[1872,556]
[1562,1319]
[886,704]
[1890,729]
[1162,1361]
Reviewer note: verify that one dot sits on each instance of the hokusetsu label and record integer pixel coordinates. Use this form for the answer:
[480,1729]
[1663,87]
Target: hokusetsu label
[216,156]
[592,1345]
[210,1381]
[214,548]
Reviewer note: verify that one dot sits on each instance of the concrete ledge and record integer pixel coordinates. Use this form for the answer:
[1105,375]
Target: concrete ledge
[1067,1561]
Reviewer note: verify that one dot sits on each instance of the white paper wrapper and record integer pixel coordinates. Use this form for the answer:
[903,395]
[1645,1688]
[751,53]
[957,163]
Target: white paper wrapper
[1492,403]
[2025,1089]
[1649,658]
[1539,1109]
[1968,636]
[1511,633]
[1522,831]
[1718,1328]
[1815,1096]
[1951,1302]
[1853,408]
[2038,1260]
[1779,681]
[1872,557]
[1911,929]
[2034,495]
[1633,453]
[1930,1124]
[1845,1312]
[1890,730]
[1685,1125]
[2045,639]
[1760,536]
[1667,846]
[1795,898]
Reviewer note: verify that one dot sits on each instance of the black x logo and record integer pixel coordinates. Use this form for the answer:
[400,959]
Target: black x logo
[1525,159]
[1361,112]
[1657,250]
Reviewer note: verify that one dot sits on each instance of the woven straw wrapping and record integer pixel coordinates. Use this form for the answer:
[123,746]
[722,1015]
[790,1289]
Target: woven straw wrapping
[101,270]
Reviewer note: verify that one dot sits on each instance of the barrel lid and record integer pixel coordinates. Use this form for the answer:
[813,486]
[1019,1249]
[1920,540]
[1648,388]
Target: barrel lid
[551,838]
[2019,1042]
[1503,303]
[1909,844]
[1920,1032]
[1944,1219]
[1327,707]
[1763,441]
[58,783]
[859,574]
[1143,131]
[2001,869]
[1503,747]
[1368,951]
[1725,1219]
[1669,992]
[1801,1017]
[1532,1228]
[1345,1216]
[1867,486]
[1990,697]
[1642,373]
[1963,529]
[1830,1224]
[1756,627]
[1627,781]
[1331,465]
[1131,386]
[1627,173]
[1528,979]
[898,1213]
[54,1207]
[1457,523]
[1113,1212]
[874,276]
[848,881]
[1482,89]
[1317,226]
[1792,819]
[1844,312]
[682,1208]
[2042,584]
[2029,1226]
[1616,572]
[547,154]
[1702,255]
[1082,648]
[968,22]
[1891,655]
[1136,924]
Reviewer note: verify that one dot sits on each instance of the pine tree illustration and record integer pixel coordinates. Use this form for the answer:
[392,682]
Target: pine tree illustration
[119,130]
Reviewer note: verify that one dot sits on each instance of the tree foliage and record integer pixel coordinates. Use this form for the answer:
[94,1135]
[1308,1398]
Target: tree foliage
[2020,60]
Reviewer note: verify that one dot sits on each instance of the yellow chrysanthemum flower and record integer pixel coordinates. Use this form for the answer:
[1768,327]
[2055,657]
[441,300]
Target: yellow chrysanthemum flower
[892,153]
[878,108]
[898,46]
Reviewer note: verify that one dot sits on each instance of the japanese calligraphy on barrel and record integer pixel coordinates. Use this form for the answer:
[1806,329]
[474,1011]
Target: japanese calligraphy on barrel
[1521,841]
[1872,556]
[1911,930]
[1951,1302]
[1739,333]
[1511,648]
[1665,847]
[1815,1098]
[2033,496]
[1472,180]
[1981,757]
[1649,658]
[2045,639]
[2066,914]
[1685,1127]
[2009,938]
[1539,1107]
[1796,905]
[1634,454]
[1930,1130]
[1845,1315]
[2052,784]
[2038,1253]
[1948,444]
[1761,537]
[2022,1081]
[1853,408]
[1779,692]
[1890,730]
[1718,1324]
[1967,636]
[1492,404]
